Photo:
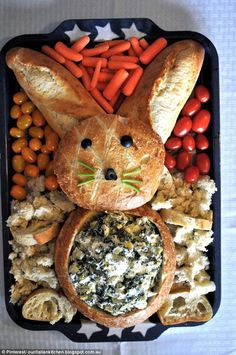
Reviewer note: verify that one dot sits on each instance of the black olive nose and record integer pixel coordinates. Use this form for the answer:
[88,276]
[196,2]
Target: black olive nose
[110,174]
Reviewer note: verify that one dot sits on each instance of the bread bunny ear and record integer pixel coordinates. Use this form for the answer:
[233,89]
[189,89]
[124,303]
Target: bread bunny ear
[165,87]
[60,97]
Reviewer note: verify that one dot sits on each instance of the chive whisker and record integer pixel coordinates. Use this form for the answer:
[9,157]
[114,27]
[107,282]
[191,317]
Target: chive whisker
[84,174]
[86,182]
[132,180]
[86,166]
[131,186]
[133,172]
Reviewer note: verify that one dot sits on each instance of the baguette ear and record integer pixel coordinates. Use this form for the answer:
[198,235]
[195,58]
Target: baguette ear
[165,87]
[60,97]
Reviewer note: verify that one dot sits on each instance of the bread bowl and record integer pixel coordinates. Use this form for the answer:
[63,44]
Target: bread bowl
[83,171]
[80,219]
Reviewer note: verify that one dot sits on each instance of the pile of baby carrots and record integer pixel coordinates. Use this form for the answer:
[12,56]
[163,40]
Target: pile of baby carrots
[111,69]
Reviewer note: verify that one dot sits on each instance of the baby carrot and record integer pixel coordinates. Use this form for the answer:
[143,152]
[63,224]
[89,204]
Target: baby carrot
[102,101]
[91,52]
[92,61]
[106,70]
[114,65]
[115,98]
[124,58]
[135,45]
[104,77]
[73,68]
[132,82]
[149,53]
[67,52]
[111,43]
[143,43]
[96,74]
[53,54]
[81,43]
[85,77]
[115,83]
[131,52]
[122,47]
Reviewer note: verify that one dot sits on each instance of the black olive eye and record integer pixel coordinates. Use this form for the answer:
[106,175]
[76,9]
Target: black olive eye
[86,143]
[126,141]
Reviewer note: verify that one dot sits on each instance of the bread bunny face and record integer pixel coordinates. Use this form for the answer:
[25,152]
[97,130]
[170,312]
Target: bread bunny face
[108,162]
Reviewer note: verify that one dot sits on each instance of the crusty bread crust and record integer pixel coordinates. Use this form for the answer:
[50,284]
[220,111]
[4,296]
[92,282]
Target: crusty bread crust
[47,305]
[165,87]
[60,97]
[36,233]
[200,312]
[182,219]
[41,295]
[64,244]
[105,132]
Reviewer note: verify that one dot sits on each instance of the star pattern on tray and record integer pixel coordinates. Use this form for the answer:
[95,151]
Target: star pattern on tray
[133,31]
[105,33]
[76,33]
[88,328]
[115,331]
[143,328]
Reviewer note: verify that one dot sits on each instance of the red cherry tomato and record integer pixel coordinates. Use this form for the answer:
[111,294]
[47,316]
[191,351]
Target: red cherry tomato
[189,143]
[202,142]
[170,161]
[183,160]
[191,174]
[191,107]
[202,93]
[203,163]
[201,121]
[182,126]
[173,143]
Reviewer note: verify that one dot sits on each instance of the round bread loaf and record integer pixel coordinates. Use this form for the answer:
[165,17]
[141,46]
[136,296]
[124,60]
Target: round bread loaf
[63,251]
[108,162]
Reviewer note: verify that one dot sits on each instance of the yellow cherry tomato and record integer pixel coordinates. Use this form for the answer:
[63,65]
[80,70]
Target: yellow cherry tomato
[38,119]
[18,192]
[27,107]
[18,163]
[19,144]
[19,179]
[36,132]
[42,161]
[32,170]
[28,155]
[15,112]
[20,97]
[44,149]
[24,122]
[35,144]
[51,183]
[16,132]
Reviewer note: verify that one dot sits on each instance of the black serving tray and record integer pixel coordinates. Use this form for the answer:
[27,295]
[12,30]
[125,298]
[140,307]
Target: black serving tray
[8,86]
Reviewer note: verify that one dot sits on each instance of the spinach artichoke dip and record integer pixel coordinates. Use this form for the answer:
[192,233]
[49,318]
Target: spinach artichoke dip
[115,262]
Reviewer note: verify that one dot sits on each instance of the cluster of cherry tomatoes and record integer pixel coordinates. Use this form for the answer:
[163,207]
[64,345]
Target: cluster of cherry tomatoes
[33,146]
[185,148]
